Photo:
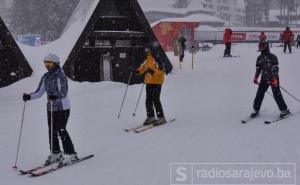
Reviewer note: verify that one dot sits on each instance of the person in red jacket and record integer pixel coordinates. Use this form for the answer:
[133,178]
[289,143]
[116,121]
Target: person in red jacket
[287,38]
[262,39]
[227,41]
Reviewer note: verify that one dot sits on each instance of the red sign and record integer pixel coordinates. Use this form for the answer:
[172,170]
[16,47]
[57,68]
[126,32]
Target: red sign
[236,36]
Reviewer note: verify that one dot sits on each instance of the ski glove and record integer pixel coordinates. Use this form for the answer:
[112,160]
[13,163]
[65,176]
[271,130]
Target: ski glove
[275,82]
[26,97]
[255,80]
[133,70]
[53,97]
[148,70]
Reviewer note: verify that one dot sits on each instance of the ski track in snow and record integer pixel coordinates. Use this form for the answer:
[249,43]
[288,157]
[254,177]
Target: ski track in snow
[208,104]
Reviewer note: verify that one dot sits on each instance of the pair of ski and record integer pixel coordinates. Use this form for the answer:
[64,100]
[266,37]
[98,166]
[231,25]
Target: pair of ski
[45,169]
[143,128]
[266,122]
[233,56]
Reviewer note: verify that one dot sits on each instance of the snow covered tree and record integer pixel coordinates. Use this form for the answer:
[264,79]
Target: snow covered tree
[181,4]
[257,12]
[43,17]
[289,10]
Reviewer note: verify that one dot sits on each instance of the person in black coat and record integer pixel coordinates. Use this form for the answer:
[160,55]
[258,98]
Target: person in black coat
[298,41]
[181,40]
[267,67]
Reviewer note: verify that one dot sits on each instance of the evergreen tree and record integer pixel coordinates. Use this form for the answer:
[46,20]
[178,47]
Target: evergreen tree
[43,17]
[257,12]
[181,4]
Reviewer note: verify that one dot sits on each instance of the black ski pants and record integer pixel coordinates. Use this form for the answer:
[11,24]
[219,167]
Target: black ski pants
[60,119]
[262,88]
[287,44]
[227,49]
[153,100]
[298,44]
[181,56]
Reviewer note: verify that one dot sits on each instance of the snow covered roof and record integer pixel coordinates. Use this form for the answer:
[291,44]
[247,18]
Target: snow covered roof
[204,18]
[191,18]
[66,42]
[206,28]
[167,6]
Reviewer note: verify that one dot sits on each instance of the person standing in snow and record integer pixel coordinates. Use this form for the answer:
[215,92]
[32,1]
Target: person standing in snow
[55,84]
[181,40]
[267,66]
[287,38]
[154,78]
[298,41]
[262,38]
[227,41]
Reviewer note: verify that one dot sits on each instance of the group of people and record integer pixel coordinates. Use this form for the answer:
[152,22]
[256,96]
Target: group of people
[267,67]
[55,84]
[287,37]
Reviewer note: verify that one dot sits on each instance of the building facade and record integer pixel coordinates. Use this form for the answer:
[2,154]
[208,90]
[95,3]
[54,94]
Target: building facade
[231,11]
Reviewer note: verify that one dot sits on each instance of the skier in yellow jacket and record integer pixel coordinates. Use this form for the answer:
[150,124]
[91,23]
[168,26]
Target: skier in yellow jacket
[154,78]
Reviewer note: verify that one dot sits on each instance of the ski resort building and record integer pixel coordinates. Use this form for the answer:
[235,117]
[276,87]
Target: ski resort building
[168,30]
[113,40]
[13,64]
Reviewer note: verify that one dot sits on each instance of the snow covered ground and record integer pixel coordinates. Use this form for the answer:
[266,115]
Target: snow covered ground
[208,104]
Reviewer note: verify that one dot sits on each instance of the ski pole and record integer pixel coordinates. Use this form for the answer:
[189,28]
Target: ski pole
[51,117]
[270,94]
[138,99]
[125,94]
[290,94]
[20,136]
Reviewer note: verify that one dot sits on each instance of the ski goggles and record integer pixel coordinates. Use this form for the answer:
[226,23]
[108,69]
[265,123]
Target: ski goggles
[49,63]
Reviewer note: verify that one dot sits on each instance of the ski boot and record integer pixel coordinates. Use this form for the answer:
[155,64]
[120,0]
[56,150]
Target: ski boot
[254,114]
[149,121]
[284,113]
[53,157]
[160,121]
[68,159]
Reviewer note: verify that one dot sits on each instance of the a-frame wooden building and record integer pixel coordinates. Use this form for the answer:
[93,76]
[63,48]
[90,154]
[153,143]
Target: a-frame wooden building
[13,64]
[113,40]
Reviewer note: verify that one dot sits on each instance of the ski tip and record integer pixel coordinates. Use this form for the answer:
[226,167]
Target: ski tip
[267,122]
[22,172]
[243,121]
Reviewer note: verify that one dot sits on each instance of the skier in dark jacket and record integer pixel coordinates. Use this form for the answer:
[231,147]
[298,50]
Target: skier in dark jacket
[267,66]
[298,41]
[181,40]
[55,84]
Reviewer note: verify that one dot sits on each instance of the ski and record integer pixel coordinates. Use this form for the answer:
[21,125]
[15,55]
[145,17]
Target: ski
[277,119]
[247,120]
[133,128]
[234,56]
[143,129]
[57,167]
[24,172]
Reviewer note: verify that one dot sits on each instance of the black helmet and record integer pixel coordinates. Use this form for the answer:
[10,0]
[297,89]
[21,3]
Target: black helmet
[264,46]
